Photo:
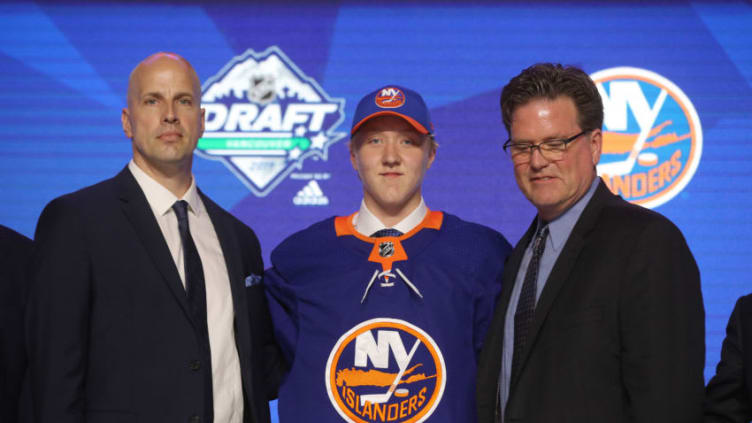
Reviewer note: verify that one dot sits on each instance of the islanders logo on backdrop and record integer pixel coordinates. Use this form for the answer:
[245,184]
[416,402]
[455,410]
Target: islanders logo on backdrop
[265,117]
[385,370]
[652,138]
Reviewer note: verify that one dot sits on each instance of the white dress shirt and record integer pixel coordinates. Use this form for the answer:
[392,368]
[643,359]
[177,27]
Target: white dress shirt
[226,381]
[367,223]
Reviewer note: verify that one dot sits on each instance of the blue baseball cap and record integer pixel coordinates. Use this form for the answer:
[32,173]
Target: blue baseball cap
[396,101]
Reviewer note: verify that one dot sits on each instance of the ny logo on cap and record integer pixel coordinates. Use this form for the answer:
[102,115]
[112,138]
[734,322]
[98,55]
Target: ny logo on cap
[390,98]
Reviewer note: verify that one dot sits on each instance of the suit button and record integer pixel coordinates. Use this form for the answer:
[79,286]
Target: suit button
[195,365]
[194,419]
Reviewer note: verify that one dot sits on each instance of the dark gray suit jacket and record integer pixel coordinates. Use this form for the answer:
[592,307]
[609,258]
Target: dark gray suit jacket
[618,334]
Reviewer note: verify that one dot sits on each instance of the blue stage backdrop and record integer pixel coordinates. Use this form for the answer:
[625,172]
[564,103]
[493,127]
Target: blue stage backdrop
[281,81]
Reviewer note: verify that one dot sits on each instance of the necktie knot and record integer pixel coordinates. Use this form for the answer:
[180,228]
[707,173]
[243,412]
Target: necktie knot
[540,241]
[386,232]
[181,209]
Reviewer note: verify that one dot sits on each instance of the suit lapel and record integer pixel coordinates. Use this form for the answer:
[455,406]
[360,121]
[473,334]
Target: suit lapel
[511,268]
[136,209]
[492,351]
[229,244]
[232,253]
[563,267]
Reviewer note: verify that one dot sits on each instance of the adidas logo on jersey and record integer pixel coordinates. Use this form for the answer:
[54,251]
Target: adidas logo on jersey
[311,195]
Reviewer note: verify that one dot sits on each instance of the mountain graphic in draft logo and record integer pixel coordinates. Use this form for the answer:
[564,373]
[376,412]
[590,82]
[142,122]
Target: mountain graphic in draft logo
[652,137]
[265,117]
[385,370]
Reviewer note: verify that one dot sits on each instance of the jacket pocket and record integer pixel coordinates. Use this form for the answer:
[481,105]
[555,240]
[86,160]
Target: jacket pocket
[110,416]
[582,317]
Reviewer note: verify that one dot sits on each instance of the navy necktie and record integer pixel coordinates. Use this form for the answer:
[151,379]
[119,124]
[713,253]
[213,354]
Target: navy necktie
[195,288]
[525,313]
[386,232]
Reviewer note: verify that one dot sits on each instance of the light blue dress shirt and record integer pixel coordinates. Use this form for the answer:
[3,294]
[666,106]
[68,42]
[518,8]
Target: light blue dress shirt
[558,233]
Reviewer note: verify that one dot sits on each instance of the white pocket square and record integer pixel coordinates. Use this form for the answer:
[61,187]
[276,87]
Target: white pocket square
[253,279]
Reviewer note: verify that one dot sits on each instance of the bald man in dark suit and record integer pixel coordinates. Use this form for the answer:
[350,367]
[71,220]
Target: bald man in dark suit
[146,304]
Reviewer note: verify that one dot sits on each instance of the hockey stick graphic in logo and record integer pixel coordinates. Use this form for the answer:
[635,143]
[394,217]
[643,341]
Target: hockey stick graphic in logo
[625,166]
[382,398]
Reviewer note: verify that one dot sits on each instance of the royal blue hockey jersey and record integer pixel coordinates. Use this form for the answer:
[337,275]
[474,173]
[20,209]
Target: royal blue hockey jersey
[384,329]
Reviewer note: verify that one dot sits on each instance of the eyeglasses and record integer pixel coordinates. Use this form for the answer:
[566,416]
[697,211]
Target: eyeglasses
[551,150]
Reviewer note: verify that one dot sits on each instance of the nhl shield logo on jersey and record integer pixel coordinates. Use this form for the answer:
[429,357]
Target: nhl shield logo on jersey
[386,249]
[652,138]
[385,370]
[264,117]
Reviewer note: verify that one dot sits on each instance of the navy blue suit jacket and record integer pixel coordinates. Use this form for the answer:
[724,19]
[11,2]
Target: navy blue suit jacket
[728,396]
[111,338]
[15,257]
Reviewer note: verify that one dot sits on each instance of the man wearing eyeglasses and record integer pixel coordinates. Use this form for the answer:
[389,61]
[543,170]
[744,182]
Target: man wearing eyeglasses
[600,317]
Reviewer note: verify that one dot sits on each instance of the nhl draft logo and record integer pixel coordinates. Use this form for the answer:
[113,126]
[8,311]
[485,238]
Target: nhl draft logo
[385,370]
[652,138]
[264,117]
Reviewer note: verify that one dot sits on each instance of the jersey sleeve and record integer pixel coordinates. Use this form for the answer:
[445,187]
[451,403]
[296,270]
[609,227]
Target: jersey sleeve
[489,279]
[283,309]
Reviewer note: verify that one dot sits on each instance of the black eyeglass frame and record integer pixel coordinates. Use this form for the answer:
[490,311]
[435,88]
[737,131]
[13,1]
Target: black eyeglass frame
[532,146]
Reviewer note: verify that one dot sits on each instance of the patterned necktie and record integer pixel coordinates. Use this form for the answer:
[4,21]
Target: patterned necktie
[525,313]
[386,232]
[195,289]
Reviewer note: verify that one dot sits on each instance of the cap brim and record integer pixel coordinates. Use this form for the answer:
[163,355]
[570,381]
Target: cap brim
[414,123]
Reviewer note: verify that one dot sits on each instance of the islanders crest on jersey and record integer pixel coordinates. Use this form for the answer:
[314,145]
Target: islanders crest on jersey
[264,117]
[385,370]
[652,138]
